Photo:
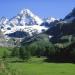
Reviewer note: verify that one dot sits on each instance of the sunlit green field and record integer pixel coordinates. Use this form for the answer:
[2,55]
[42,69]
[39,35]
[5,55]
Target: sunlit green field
[43,68]
[36,66]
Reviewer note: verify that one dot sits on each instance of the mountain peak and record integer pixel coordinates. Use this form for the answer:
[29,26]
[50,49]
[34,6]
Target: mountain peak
[3,20]
[70,17]
[25,11]
[26,14]
[50,19]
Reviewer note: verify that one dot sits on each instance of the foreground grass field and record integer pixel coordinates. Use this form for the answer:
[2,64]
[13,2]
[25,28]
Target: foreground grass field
[36,66]
[43,68]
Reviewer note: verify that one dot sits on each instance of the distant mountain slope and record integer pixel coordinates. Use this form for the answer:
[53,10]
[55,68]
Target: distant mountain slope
[63,33]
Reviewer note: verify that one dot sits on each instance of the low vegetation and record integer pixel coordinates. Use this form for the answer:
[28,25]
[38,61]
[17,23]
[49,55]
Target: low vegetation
[37,66]
[38,57]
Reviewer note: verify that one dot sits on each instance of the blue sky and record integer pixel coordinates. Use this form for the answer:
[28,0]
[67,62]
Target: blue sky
[42,8]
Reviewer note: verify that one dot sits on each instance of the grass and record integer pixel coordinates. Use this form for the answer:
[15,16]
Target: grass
[42,68]
[36,66]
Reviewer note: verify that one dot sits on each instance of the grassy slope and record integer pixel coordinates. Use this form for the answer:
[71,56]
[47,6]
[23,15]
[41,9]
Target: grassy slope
[43,68]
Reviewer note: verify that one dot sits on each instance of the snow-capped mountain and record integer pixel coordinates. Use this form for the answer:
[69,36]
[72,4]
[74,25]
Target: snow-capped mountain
[3,20]
[50,19]
[29,18]
[25,21]
[26,17]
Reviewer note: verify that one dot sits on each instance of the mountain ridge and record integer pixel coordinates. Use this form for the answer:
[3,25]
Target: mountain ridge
[24,21]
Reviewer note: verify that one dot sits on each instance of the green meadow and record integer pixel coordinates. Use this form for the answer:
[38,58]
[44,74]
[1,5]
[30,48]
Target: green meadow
[36,66]
[43,68]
